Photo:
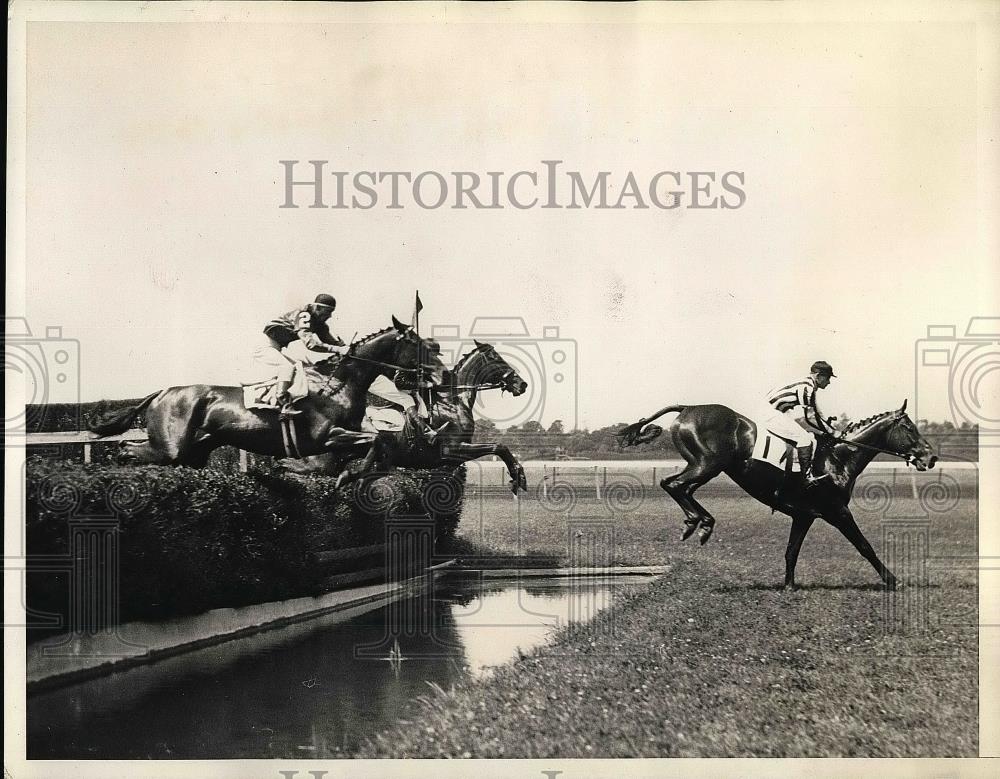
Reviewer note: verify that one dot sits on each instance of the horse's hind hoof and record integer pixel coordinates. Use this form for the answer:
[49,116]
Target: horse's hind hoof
[688,532]
[706,533]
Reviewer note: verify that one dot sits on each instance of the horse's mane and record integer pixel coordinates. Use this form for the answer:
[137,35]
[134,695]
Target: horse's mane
[462,360]
[854,427]
[371,336]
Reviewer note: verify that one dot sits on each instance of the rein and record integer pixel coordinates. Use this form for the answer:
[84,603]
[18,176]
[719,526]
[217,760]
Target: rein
[349,355]
[908,458]
[399,368]
[484,386]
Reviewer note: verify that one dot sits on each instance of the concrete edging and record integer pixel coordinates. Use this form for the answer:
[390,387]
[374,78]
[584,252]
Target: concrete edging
[68,658]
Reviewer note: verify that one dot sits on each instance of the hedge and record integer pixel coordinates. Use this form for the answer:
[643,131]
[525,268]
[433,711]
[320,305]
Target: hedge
[196,539]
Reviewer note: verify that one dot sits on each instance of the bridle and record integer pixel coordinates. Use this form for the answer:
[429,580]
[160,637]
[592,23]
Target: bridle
[500,384]
[350,355]
[908,458]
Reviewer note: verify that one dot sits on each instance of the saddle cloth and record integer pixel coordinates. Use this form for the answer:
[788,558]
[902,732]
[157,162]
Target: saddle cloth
[382,419]
[772,449]
[261,394]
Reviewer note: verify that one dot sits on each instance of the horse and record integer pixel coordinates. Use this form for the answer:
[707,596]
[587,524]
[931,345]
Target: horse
[185,424]
[453,400]
[714,439]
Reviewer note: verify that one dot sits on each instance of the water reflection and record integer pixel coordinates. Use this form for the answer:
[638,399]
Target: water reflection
[315,689]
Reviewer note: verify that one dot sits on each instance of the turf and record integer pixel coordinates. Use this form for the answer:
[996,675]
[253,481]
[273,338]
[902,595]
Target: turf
[714,659]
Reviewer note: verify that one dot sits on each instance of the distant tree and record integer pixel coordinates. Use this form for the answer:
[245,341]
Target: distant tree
[486,430]
[532,426]
[556,428]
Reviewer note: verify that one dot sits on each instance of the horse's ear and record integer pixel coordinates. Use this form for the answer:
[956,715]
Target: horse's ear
[478,345]
[399,325]
[903,407]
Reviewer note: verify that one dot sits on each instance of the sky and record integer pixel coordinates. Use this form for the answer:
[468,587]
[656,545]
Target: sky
[154,237]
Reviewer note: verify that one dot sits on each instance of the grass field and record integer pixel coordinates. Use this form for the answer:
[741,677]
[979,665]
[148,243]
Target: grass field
[714,659]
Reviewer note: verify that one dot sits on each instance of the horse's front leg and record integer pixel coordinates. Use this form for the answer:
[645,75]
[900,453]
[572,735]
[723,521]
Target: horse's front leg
[844,522]
[800,526]
[367,465]
[467,451]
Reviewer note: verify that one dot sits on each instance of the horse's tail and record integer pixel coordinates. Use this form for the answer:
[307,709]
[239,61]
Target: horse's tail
[631,435]
[119,421]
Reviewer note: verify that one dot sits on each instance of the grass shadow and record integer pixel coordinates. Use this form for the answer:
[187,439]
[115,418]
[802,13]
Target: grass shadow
[818,586]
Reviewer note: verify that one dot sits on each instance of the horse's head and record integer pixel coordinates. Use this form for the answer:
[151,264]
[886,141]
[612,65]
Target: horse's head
[906,439]
[410,351]
[397,352]
[485,366]
[898,434]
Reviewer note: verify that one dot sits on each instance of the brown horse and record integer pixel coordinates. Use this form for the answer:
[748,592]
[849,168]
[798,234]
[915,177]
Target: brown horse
[451,411]
[715,439]
[186,423]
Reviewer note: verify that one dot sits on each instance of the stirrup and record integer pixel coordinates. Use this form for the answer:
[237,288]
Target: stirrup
[431,434]
[287,411]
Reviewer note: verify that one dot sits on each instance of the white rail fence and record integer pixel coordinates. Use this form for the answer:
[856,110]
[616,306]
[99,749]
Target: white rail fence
[89,439]
[492,473]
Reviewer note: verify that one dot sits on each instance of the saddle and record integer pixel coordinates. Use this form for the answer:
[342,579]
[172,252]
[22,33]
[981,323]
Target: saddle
[773,449]
[263,394]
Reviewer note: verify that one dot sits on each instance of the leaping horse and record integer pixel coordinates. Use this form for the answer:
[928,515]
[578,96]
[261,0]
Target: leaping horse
[715,439]
[481,369]
[185,424]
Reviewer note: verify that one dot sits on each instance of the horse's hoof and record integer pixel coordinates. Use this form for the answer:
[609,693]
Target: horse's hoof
[892,585]
[688,532]
[706,533]
[789,587]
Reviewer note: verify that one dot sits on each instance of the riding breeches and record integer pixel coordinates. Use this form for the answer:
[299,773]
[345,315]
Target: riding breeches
[270,357]
[786,426]
[385,389]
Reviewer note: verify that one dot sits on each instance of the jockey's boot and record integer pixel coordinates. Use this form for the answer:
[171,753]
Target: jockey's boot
[795,483]
[805,465]
[287,403]
[427,432]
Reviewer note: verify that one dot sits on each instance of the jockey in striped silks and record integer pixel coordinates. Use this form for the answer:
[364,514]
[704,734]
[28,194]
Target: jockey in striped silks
[790,409]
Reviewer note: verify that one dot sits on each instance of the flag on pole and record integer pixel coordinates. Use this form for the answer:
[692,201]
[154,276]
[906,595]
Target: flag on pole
[417,308]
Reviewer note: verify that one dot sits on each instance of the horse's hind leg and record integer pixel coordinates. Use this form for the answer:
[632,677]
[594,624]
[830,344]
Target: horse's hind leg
[143,454]
[681,488]
[702,467]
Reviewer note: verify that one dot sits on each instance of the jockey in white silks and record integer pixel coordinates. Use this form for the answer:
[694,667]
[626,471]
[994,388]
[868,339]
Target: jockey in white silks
[300,335]
[787,415]
[412,404]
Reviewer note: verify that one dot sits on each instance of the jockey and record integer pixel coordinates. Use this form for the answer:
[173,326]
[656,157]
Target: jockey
[412,403]
[307,325]
[790,407]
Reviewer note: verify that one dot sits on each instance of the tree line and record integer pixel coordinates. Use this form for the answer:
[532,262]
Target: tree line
[532,440]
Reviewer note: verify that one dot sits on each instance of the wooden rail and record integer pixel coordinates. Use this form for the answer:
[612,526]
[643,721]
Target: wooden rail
[88,439]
